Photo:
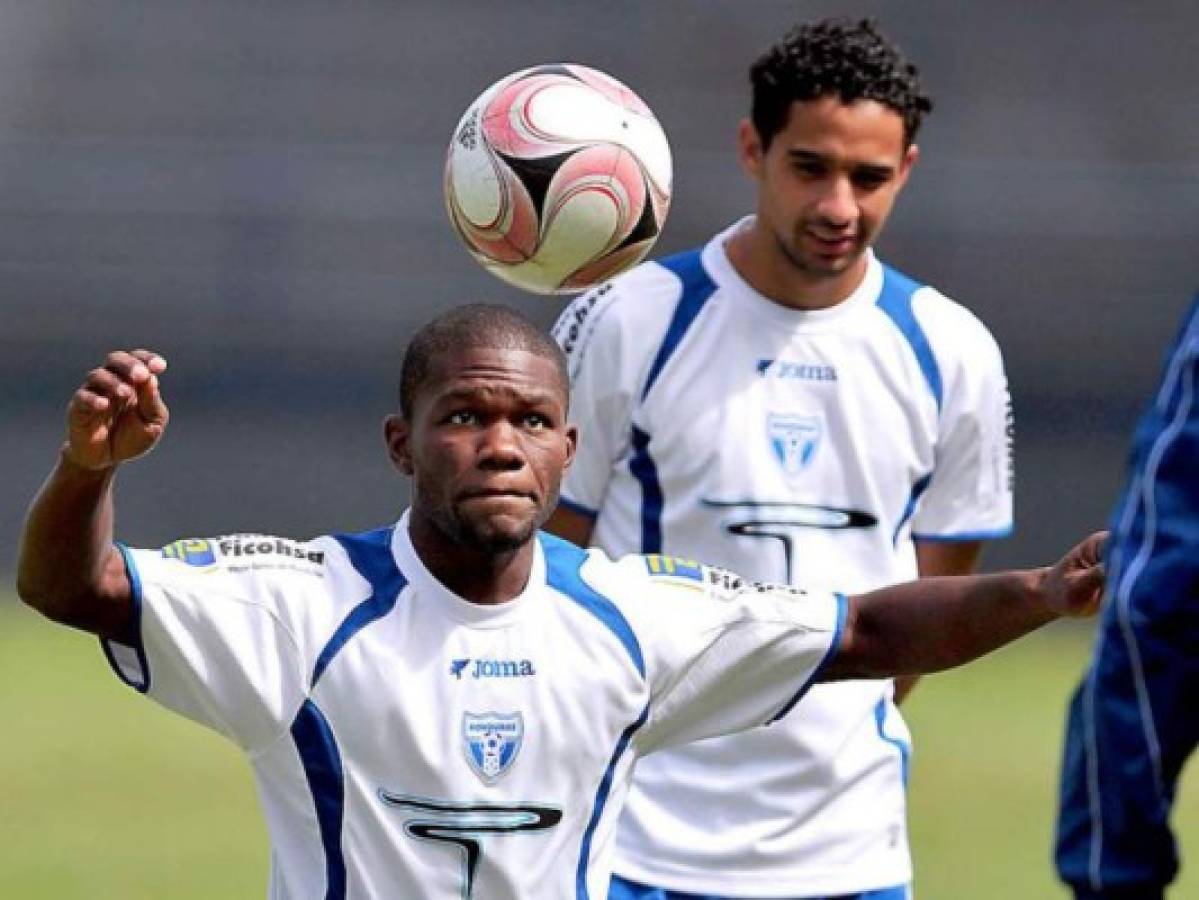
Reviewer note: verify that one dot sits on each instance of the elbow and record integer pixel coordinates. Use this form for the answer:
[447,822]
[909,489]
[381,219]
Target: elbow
[31,594]
[55,606]
[43,601]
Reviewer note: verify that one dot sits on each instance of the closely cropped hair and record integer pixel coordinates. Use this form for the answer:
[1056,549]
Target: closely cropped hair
[834,57]
[474,326]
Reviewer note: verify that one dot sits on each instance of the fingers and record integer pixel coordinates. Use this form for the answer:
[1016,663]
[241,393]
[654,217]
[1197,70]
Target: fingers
[126,378]
[135,367]
[1091,591]
[1089,579]
[150,405]
[104,391]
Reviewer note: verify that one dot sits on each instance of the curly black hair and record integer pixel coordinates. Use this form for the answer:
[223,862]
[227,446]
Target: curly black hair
[848,59]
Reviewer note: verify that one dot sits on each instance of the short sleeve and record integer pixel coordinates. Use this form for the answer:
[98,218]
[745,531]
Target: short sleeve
[601,394]
[724,654]
[610,336]
[969,496]
[217,637]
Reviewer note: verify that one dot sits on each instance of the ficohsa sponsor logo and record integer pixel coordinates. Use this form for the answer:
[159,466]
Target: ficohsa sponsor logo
[255,546]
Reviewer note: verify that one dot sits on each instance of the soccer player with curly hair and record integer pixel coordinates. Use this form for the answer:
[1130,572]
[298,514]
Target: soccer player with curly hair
[787,404]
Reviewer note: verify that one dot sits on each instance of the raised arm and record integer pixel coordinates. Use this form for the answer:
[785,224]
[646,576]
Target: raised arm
[67,567]
[939,623]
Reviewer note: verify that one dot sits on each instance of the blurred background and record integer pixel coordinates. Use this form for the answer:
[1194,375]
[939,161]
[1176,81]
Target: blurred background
[253,189]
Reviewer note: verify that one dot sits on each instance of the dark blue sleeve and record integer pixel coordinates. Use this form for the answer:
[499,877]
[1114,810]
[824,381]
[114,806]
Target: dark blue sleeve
[1134,719]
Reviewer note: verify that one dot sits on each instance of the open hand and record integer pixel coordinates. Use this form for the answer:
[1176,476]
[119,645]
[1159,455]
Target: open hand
[1074,585]
[117,413]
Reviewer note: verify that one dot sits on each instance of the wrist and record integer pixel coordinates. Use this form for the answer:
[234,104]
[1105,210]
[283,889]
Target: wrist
[71,465]
[1039,583]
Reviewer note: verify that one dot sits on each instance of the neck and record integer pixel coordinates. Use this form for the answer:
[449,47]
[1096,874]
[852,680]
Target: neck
[480,576]
[756,256]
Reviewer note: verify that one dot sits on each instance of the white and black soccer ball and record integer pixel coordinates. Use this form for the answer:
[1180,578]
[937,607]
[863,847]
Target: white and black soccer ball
[558,177]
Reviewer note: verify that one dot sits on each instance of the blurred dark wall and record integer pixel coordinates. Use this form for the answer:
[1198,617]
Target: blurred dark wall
[254,190]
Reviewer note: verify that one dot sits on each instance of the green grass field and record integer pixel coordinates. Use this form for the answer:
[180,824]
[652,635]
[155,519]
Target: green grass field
[106,796]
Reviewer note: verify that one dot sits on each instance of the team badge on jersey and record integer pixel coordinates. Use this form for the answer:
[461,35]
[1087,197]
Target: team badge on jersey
[492,742]
[794,439]
[194,552]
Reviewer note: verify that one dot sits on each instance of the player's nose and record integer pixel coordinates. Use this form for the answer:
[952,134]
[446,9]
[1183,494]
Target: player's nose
[499,446]
[837,204]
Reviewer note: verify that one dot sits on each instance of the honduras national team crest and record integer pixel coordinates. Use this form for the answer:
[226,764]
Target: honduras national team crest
[794,439]
[492,742]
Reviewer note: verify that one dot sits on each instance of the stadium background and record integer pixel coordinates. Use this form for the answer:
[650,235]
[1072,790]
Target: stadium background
[254,190]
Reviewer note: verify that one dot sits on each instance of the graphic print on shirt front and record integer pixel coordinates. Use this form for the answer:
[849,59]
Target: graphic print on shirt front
[462,825]
[782,522]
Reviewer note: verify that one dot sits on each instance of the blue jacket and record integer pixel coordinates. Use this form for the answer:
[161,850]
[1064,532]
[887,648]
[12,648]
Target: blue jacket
[1135,718]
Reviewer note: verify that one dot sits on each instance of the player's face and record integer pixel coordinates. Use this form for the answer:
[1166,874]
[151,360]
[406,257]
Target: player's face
[827,182]
[486,446]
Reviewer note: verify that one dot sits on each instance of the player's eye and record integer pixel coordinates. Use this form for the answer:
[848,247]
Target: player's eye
[461,417]
[809,168]
[870,180]
[537,422]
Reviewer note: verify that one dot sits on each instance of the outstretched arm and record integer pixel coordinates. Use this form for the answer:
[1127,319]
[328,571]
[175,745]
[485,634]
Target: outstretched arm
[939,623]
[935,558]
[68,568]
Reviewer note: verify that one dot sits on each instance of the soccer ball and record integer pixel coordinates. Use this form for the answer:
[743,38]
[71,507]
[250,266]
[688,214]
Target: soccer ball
[558,177]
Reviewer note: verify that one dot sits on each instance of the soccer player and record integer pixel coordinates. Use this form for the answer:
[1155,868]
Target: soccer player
[783,403]
[451,706]
[1133,720]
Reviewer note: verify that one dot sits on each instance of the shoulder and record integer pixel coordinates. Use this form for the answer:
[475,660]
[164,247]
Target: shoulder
[598,590]
[632,312]
[249,556]
[955,332]
[955,338]
[291,578]
[634,578]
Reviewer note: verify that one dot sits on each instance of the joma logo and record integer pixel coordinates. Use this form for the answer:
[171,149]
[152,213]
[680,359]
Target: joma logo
[492,668]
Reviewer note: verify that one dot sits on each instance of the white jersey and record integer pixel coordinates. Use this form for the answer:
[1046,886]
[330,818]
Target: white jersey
[408,743]
[795,446]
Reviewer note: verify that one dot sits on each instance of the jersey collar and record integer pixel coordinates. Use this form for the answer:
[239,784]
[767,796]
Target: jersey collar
[476,615]
[716,261]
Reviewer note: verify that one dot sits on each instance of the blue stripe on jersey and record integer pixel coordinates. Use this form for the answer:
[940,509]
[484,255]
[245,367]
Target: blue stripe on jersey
[895,299]
[370,555]
[135,628]
[834,645]
[917,490]
[322,767]
[562,562]
[627,889]
[601,799]
[880,718]
[899,892]
[958,536]
[645,470]
[697,287]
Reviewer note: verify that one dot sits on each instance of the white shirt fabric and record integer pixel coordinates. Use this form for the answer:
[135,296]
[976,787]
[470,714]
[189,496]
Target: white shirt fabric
[799,447]
[408,743]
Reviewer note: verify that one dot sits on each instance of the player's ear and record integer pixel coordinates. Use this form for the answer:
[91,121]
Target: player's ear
[397,433]
[572,444]
[750,151]
[905,166]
